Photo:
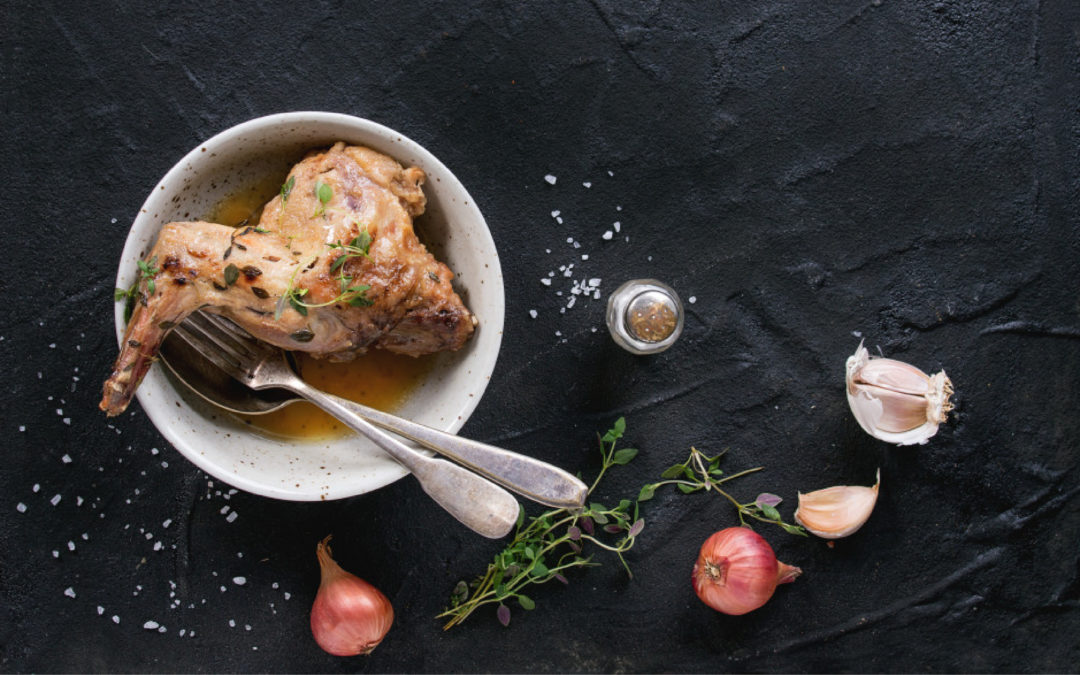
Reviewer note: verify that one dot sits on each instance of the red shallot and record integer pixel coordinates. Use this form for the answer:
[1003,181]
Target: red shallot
[737,571]
[350,616]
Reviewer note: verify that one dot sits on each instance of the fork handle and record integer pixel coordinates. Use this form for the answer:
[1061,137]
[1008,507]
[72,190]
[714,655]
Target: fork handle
[531,478]
[474,500]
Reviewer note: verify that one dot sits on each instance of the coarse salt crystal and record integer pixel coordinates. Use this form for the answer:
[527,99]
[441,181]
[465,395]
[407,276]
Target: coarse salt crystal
[22,427]
[157,545]
[21,508]
[154,451]
[70,592]
[231,517]
[67,421]
[100,610]
[587,184]
[546,281]
[607,235]
[78,501]
[274,585]
[532,313]
[36,487]
[239,581]
[555,214]
[232,623]
[66,459]
[558,220]
[616,226]
[550,179]
[167,522]
[115,619]
[55,553]
[224,509]
[151,625]
[55,500]
[288,595]
[692,299]
[584,256]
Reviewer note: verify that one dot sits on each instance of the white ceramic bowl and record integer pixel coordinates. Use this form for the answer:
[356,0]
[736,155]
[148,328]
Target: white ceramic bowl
[452,228]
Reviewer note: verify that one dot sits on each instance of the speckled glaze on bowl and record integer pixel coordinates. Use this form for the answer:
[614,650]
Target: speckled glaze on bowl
[452,228]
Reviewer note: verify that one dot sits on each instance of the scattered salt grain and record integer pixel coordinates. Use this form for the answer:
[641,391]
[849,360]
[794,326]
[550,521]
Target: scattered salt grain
[167,523]
[36,487]
[224,509]
[857,333]
[587,184]
[67,421]
[66,459]
[232,623]
[55,500]
[616,226]
[288,595]
[550,179]
[78,501]
[555,214]
[151,625]
[154,451]
[70,592]
[239,581]
[115,619]
[532,313]
[22,427]
[692,299]
[274,585]
[157,545]
[55,553]
[231,517]
[71,546]
[85,536]
[546,281]
[584,256]
[607,235]
[100,610]
[247,626]
[21,508]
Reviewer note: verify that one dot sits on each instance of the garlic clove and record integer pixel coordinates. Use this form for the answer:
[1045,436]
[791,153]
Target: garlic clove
[838,511]
[894,401]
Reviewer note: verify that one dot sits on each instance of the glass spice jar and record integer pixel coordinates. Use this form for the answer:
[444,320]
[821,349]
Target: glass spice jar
[645,316]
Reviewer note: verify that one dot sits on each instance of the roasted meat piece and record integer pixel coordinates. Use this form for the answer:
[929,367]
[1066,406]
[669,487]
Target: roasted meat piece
[333,268]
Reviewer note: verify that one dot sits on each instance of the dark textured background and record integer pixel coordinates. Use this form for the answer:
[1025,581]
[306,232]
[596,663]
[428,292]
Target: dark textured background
[807,170]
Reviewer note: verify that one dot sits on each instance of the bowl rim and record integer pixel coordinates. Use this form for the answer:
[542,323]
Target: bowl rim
[154,407]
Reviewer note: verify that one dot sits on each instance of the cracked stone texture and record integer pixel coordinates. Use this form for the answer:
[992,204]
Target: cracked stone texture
[809,172]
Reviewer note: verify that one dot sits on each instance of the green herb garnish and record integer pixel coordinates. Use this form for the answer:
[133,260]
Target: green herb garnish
[286,190]
[701,472]
[232,273]
[551,543]
[147,272]
[324,193]
[351,293]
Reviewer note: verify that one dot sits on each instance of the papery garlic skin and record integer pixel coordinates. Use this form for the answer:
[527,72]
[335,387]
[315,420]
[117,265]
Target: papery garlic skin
[836,512]
[894,401]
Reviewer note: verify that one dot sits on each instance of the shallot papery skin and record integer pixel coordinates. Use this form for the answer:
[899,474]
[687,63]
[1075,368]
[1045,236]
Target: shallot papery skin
[736,571]
[349,616]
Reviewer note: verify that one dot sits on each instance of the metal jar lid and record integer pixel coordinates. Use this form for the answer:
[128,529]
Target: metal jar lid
[645,316]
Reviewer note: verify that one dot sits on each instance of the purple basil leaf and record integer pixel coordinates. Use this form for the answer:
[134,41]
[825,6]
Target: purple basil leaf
[767,499]
[576,548]
[504,614]
[561,578]
[612,528]
[587,525]
[574,532]
[637,527]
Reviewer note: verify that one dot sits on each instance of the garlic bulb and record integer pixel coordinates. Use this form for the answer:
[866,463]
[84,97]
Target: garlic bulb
[894,401]
[838,511]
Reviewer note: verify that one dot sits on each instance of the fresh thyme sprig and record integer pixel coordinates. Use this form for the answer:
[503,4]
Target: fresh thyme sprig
[286,190]
[551,543]
[701,472]
[147,271]
[353,294]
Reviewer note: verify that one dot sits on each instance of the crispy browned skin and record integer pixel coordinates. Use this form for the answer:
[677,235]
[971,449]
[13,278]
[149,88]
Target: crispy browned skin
[414,309]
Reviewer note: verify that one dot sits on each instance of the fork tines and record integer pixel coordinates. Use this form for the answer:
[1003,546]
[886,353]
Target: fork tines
[222,342]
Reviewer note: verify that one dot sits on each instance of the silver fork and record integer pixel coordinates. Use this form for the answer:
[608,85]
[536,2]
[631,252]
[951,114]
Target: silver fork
[469,497]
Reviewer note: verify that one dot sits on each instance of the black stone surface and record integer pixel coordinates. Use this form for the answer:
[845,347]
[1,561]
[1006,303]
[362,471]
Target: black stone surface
[907,171]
